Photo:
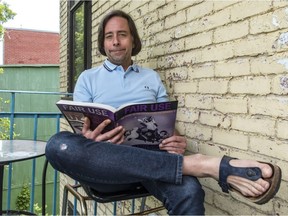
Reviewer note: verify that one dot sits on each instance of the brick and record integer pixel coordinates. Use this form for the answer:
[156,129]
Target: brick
[255,45]
[167,9]
[209,196]
[282,129]
[231,105]
[202,71]
[137,9]
[198,101]
[160,35]
[219,5]
[189,57]
[280,85]
[281,205]
[175,19]
[233,205]
[211,184]
[214,119]
[192,146]
[199,10]
[198,40]
[231,32]
[266,146]
[250,85]
[213,86]
[254,125]
[271,106]
[198,132]
[178,73]
[185,29]
[267,65]
[218,52]
[206,23]
[31,47]
[189,87]
[231,139]
[268,22]
[234,68]
[213,150]
[211,210]
[247,9]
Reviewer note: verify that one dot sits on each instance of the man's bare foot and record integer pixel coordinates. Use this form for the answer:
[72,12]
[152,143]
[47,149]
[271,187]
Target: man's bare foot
[247,187]
[257,181]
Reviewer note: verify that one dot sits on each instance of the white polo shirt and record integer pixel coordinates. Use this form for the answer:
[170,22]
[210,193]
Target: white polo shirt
[110,84]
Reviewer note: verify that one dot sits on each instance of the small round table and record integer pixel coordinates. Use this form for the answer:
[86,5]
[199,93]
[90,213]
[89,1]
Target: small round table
[17,150]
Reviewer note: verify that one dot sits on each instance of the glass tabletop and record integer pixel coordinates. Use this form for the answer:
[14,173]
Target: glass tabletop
[17,150]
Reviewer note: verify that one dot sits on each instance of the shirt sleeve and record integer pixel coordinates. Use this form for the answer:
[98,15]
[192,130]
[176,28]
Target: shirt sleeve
[162,95]
[81,91]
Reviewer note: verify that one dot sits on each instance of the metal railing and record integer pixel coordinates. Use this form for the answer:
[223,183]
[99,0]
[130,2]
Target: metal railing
[12,115]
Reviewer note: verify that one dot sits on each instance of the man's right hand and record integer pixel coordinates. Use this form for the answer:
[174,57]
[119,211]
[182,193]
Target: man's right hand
[114,136]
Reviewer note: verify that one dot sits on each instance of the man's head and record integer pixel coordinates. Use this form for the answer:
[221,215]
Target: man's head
[132,27]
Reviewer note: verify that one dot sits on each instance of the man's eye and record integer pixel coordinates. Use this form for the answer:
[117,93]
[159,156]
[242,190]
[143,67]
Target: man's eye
[108,36]
[122,35]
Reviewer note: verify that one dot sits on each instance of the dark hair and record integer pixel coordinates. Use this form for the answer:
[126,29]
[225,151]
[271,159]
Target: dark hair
[101,30]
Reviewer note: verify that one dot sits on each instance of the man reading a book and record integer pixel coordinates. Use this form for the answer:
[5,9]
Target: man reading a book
[99,159]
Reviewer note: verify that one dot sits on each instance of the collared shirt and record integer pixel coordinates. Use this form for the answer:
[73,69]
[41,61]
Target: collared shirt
[110,84]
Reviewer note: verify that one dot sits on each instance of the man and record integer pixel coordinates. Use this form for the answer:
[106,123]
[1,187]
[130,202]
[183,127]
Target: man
[98,159]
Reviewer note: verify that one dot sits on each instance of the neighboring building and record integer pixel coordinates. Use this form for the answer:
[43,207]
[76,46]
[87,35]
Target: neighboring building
[24,46]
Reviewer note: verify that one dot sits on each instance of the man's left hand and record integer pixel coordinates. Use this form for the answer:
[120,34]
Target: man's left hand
[174,144]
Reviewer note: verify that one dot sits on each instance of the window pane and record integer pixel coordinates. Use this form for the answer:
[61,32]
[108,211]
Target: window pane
[78,41]
[79,54]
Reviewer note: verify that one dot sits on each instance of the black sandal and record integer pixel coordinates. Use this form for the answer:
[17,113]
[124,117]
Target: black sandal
[250,173]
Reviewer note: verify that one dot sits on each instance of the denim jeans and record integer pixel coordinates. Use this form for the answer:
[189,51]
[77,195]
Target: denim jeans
[98,163]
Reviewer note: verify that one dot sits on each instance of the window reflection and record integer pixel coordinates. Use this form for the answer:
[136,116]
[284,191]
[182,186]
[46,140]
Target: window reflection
[78,41]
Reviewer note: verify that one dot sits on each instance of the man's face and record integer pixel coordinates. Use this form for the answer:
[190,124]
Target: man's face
[118,42]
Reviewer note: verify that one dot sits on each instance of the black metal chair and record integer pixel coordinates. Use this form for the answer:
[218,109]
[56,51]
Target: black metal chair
[101,197]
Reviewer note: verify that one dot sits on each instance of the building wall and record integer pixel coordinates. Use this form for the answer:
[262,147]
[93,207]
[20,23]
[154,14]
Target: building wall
[226,62]
[23,46]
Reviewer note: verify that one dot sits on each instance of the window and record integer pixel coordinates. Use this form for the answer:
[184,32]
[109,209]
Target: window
[79,50]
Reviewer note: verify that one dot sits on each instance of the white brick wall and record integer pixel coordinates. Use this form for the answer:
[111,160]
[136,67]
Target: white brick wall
[227,63]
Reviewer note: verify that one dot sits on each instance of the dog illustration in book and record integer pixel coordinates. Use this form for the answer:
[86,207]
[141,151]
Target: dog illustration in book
[148,131]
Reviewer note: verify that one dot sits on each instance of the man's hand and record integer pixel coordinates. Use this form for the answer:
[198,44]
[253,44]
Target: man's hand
[175,144]
[114,136]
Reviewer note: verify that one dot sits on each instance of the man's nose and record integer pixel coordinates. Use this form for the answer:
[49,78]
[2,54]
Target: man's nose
[115,41]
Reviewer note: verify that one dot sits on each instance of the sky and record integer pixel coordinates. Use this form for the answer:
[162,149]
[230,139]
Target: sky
[34,14]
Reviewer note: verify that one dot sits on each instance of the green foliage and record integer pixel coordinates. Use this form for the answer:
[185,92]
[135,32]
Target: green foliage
[6,14]
[23,199]
[5,123]
[38,209]
[79,42]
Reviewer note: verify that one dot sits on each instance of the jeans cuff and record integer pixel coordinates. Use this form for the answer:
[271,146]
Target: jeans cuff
[179,168]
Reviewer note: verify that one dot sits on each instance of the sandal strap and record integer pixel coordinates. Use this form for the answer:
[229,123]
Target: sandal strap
[251,173]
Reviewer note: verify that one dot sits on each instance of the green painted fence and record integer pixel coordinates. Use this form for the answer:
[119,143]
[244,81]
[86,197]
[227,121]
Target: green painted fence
[31,78]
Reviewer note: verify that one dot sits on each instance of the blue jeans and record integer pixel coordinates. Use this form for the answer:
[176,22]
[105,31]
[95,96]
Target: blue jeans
[101,163]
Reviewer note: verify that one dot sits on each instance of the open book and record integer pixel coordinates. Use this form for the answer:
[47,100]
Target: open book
[145,124]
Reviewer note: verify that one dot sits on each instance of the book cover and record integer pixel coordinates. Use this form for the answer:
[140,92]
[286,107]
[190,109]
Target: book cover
[145,124]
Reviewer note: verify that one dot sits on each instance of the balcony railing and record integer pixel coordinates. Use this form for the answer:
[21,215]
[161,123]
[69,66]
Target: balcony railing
[29,109]
[32,110]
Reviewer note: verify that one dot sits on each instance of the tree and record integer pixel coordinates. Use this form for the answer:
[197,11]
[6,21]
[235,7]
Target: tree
[5,15]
